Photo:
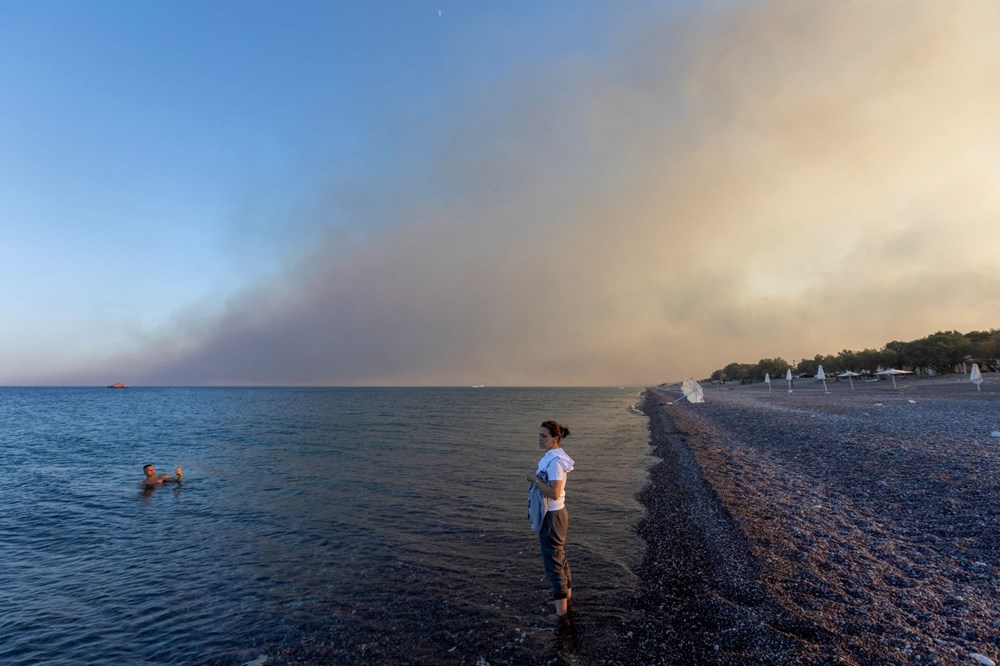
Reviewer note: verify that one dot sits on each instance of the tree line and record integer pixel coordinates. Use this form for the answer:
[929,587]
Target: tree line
[942,352]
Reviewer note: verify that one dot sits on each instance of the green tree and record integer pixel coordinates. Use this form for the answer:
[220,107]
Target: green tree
[867,360]
[738,372]
[985,348]
[943,351]
[809,366]
[848,360]
[775,367]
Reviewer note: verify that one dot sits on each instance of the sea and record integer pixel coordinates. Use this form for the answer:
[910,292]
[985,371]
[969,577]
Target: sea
[313,526]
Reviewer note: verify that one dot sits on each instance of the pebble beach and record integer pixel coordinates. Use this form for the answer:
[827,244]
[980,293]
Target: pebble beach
[822,525]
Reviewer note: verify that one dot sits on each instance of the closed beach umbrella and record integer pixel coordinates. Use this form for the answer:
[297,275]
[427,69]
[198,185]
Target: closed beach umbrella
[976,377]
[788,378]
[821,375]
[767,380]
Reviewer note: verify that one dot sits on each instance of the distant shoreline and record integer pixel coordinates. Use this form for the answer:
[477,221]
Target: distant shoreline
[805,526]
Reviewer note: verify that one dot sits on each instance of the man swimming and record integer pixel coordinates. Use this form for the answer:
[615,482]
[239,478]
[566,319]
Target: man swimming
[153,479]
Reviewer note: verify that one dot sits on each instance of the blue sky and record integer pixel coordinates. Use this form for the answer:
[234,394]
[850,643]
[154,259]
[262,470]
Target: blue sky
[163,154]
[186,186]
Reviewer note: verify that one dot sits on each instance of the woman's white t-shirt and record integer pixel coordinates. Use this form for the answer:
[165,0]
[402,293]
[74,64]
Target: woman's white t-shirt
[555,465]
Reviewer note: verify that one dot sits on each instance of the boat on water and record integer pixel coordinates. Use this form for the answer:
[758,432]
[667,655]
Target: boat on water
[118,385]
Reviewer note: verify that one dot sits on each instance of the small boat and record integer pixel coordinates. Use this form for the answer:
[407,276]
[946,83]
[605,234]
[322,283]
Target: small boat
[118,385]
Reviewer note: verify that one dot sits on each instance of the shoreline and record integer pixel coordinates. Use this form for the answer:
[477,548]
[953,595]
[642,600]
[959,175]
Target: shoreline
[856,526]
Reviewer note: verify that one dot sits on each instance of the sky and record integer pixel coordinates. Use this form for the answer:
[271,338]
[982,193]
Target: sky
[511,193]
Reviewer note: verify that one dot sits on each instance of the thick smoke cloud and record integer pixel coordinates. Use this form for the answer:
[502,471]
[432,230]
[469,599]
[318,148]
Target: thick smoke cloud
[783,178]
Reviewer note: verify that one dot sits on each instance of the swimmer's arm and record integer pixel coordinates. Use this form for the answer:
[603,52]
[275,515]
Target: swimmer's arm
[163,478]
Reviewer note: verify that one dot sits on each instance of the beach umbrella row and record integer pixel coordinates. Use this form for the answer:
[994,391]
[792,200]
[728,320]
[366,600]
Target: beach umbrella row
[975,376]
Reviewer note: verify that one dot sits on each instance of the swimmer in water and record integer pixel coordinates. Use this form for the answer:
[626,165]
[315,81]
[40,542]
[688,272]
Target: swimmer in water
[153,479]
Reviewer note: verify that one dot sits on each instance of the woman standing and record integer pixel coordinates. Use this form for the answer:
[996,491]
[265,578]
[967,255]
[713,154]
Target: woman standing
[550,480]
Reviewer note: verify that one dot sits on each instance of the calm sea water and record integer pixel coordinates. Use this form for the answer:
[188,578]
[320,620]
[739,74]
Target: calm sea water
[313,526]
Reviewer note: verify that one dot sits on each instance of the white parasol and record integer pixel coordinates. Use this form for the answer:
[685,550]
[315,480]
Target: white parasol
[850,374]
[892,372]
[822,375]
[692,391]
[767,380]
[976,377]
[788,378]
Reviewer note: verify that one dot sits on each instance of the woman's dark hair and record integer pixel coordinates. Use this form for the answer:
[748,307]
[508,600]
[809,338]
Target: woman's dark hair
[555,430]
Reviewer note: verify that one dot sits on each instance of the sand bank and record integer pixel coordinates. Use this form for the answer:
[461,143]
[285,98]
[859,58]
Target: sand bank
[858,526]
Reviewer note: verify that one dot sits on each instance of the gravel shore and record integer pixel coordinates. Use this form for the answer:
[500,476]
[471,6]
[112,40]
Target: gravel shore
[858,526]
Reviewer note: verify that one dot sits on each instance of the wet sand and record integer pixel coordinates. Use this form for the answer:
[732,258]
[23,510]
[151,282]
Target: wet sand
[858,526]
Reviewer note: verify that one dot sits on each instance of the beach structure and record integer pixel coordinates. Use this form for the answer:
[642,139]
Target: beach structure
[822,376]
[892,372]
[788,378]
[976,377]
[850,374]
[691,390]
[767,380]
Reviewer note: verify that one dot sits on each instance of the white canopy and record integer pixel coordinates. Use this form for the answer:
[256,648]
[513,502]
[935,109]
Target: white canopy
[892,372]
[692,390]
[850,374]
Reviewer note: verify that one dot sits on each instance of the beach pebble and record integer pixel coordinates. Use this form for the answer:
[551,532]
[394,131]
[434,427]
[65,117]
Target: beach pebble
[982,659]
[912,402]
[259,661]
[995,433]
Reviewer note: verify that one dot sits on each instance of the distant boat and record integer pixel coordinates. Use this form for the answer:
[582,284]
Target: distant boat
[478,385]
[118,385]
